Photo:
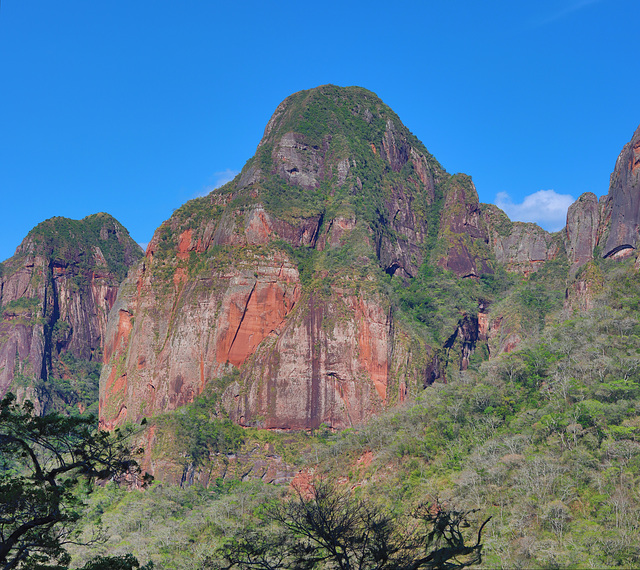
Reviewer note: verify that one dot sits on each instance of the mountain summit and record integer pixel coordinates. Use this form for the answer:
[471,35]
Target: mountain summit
[275,289]
[341,271]
[55,295]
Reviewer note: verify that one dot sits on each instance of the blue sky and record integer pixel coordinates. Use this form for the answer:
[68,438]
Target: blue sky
[134,107]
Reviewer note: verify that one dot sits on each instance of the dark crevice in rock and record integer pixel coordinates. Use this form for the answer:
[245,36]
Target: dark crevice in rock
[618,249]
[392,269]
[433,372]
[316,233]
[244,312]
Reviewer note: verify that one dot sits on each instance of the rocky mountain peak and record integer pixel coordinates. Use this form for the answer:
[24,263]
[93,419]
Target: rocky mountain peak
[285,288]
[320,135]
[55,294]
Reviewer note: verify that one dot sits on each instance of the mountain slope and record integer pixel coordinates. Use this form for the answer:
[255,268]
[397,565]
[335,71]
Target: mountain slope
[274,285]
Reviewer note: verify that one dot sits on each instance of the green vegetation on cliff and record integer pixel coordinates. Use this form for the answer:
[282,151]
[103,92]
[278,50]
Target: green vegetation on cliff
[74,241]
[544,439]
[67,273]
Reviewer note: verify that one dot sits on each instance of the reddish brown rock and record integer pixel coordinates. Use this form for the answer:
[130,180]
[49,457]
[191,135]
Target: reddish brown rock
[583,218]
[56,292]
[329,365]
[251,317]
[621,206]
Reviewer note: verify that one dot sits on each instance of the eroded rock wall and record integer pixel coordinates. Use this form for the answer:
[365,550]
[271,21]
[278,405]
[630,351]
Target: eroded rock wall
[55,301]
[621,206]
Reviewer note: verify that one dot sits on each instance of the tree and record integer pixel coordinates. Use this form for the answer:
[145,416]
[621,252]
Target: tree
[126,562]
[46,463]
[327,527]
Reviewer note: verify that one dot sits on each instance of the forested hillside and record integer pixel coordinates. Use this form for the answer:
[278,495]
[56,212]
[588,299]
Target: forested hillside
[543,439]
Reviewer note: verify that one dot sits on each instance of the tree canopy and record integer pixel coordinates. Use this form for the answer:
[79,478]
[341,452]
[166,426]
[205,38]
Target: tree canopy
[324,526]
[46,464]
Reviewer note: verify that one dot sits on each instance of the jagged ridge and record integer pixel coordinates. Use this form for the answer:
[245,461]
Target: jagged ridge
[283,286]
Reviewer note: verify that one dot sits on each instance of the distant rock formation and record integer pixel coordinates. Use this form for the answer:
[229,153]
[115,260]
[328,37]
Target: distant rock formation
[55,295]
[620,218]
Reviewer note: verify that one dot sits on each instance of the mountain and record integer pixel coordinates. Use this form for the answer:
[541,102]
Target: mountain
[341,272]
[345,279]
[55,295]
[273,287]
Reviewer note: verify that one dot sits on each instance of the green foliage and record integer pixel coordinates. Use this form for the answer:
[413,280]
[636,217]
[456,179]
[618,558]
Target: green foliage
[73,386]
[546,439]
[325,526]
[335,124]
[196,212]
[175,527]
[126,562]
[23,306]
[198,432]
[438,299]
[72,242]
[48,463]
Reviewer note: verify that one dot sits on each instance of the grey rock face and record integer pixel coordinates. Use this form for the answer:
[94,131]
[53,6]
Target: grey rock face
[622,204]
[583,218]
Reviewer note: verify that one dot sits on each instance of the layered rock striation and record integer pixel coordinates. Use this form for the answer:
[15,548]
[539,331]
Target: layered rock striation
[273,287]
[288,291]
[55,295]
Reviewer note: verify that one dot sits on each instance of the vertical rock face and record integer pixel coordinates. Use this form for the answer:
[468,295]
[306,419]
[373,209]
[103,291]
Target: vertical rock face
[583,218]
[270,288]
[329,365]
[519,246]
[621,208]
[55,294]
[463,238]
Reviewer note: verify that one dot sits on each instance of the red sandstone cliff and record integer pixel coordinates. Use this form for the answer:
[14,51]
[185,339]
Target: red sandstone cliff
[272,287]
[275,288]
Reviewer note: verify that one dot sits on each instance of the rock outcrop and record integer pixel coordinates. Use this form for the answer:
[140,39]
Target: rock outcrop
[55,295]
[270,287]
[621,206]
[519,246]
[583,219]
[463,239]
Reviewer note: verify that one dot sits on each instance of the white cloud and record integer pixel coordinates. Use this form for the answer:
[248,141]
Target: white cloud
[143,245]
[546,208]
[219,179]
